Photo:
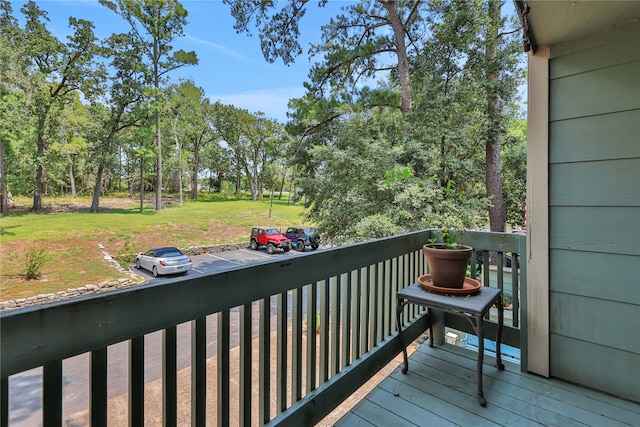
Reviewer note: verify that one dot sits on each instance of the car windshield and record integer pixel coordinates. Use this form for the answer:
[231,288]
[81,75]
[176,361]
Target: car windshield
[310,231]
[272,231]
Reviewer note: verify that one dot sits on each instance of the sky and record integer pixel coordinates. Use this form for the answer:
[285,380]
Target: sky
[231,66]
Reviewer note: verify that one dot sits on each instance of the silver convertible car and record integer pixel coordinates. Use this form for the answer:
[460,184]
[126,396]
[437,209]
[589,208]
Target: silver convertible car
[166,260]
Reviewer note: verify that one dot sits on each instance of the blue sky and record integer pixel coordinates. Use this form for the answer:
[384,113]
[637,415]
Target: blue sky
[231,66]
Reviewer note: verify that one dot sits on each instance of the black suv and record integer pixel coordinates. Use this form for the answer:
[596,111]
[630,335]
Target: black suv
[303,236]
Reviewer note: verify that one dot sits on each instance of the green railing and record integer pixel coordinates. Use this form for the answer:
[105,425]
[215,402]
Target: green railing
[294,337]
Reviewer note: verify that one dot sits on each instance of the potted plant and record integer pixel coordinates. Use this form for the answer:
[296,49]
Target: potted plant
[448,259]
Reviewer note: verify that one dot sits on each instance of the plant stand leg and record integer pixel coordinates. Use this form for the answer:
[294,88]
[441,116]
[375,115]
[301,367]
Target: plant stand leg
[399,307]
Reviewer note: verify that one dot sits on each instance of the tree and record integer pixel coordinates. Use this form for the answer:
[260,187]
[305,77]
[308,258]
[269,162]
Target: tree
[445,141]
[514,170]
[11,104]
[218,160]
[500,51]
[125,104]
[72,144]
[191,120]
[357,45]
[253,139]
[343,177]
[228,122]
[59,70]
[156,23]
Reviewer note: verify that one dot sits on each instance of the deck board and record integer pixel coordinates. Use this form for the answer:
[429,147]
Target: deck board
[440,389]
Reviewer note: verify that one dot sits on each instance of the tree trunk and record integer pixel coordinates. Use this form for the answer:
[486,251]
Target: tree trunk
[3,182]
[40,172]
[95,201]
[238,176]
[132,169]
[284,176]
[141,185]
[497,214]
[158,163]
[292,196]
[194,178]
[401,53]
[72,179]
[179,171]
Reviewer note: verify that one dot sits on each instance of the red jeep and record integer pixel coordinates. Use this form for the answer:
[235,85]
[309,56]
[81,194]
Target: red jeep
[269,237]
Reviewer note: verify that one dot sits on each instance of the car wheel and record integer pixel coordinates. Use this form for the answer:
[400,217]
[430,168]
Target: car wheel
[155,271]
[300,246]
[138,264]
[271,249]
[314,247]
[287,249]
[254,245]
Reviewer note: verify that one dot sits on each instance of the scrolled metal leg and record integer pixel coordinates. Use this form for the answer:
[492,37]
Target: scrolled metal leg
[399,307]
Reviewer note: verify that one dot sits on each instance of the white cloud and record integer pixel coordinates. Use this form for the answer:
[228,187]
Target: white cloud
[228,52]
[272,102]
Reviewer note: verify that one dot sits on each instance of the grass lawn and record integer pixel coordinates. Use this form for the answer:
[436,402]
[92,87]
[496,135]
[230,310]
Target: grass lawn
[70,235]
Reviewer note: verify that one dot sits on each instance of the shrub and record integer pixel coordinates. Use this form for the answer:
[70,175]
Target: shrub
[31,263]
[127,254]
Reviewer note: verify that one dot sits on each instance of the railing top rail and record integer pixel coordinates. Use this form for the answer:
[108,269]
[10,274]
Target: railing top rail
[64,329]
[501,242]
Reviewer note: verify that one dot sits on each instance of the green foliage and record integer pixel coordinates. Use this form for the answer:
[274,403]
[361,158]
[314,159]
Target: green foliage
[127,253]
[449,237]
[31,262]
[375,226]
[507,300]
[435,165]
[514,172]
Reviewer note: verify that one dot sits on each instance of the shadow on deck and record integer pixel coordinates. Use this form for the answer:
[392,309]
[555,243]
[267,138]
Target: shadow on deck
[440,389]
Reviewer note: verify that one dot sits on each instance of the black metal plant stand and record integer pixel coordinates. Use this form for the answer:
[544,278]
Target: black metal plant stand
[471,307]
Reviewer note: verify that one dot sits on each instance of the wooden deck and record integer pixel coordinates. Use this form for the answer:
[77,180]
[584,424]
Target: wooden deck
[440,389]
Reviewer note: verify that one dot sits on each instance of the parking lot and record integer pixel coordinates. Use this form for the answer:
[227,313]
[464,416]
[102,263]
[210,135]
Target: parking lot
[221,261]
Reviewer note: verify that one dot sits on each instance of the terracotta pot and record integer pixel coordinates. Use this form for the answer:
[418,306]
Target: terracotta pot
[448,267]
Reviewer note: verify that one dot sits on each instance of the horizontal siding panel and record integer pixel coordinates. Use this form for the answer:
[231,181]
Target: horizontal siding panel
[604,137]
[572,183]
[591,320]
[595,366]
[629,32]
[581,273]
[594,58]
[596,92]
[597,229]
